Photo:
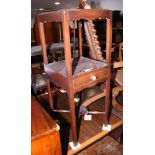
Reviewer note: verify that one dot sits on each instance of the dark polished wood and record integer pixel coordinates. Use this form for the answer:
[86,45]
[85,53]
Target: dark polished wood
[117,77]
[95,48]
[80,38]
[75,14]
[45,137]
[91,14]
[49,28]
[74,76]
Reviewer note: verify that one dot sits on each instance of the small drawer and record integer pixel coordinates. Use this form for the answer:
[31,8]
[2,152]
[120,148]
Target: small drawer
[86,79]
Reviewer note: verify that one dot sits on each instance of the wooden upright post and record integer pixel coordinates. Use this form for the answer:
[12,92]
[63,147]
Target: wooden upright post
[70,92]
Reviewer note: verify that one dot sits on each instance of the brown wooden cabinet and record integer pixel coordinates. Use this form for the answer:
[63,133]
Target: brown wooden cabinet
[45,139]
[52,32]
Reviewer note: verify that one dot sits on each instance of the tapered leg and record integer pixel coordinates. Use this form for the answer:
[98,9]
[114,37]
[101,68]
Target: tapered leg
[49,93]
[107,101]
[73,117]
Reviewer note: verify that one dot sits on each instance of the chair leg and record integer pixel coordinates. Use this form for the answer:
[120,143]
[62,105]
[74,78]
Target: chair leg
[49,93]
[115,92]
[116,105]
[73,117]
[107,102]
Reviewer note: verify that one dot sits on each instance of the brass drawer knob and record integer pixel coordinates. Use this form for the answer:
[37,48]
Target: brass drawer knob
[93,77]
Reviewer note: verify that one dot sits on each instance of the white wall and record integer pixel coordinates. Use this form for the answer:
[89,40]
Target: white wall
[32,22]
[112,4]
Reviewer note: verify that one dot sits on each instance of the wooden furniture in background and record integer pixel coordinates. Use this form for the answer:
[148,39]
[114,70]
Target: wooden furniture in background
[96,53]
[52,33]
[45,139]
[74,75]
[38,79]
[117,76]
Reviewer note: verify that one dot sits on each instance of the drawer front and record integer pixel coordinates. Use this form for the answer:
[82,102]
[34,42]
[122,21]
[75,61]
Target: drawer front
[90,78]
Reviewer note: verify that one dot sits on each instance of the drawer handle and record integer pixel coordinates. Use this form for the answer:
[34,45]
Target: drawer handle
[93,77]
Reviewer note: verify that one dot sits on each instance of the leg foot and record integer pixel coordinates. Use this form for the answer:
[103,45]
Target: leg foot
[74,146]
[106,127]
